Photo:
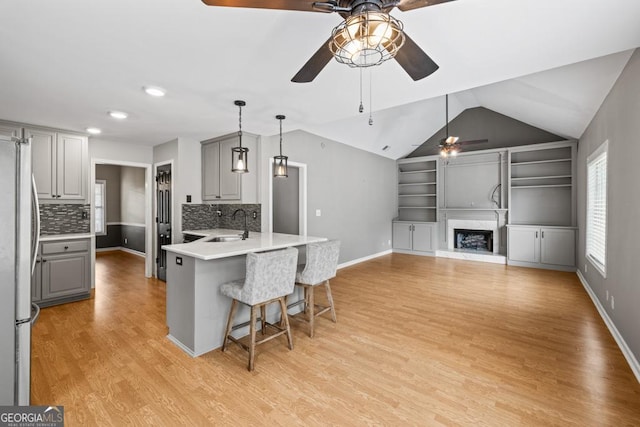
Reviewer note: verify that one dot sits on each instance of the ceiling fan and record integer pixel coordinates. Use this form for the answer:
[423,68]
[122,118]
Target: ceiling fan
[450,145]
[368,35]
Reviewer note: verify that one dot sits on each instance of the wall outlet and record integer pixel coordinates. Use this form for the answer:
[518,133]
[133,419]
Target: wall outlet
[126,240]
[613,306]
[318,212]
[607,295]
[389,242]
[585,267]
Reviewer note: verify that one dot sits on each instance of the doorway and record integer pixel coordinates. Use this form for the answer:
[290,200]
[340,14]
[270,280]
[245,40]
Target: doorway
[163,218]
[139,229]
[288,197]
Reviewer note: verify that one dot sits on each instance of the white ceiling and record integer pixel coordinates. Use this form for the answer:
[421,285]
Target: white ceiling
[65,63]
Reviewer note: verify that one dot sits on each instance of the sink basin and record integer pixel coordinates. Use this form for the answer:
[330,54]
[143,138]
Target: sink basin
[218,239]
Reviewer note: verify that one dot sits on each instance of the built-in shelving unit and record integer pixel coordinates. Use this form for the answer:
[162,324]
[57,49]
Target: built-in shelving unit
[417,190]
[541,184]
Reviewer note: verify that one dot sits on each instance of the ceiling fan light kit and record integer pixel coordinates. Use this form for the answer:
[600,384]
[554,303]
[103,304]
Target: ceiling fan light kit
[367,39]
[449,146]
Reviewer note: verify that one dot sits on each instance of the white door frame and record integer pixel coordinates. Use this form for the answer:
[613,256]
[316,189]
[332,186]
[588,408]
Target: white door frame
[155,210]
[148,193]
[302,186]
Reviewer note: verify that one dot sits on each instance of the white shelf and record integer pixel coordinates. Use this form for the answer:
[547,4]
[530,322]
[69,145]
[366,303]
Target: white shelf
[418,171]
[418,183]
[475,209]
[513,187]
[541,177]
[416,195]
[537,162]
[416,207]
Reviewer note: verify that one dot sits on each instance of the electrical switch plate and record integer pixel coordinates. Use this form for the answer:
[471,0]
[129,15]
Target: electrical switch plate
[188,198]
[318,212]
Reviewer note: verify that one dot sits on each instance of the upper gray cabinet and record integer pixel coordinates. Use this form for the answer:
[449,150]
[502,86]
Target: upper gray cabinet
[59,164]
[60,161]
[218,182]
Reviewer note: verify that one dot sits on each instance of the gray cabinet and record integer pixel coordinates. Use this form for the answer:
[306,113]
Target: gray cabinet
[542,247]
[62,272]
[60,164]
[414,237]
[218,182]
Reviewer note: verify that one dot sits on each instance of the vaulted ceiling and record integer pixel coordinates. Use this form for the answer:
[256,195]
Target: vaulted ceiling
[66,63]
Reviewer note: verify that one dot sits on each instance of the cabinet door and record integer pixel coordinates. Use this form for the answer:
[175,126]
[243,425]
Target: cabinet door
[65,275]
[423,237]
[43,165]
[558,246]
[402,236]
[71,167]
[229,181]
[211,171]
[524,244]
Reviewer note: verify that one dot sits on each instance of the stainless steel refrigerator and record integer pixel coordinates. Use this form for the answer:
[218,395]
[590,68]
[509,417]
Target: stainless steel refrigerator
[18,247]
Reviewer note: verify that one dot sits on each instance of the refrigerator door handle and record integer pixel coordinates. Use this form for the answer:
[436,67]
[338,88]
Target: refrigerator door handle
[36,210]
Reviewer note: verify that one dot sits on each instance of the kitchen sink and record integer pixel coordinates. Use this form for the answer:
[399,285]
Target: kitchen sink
[219,239]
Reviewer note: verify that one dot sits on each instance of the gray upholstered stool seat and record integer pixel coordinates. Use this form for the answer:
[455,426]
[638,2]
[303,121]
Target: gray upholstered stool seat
[321,265]
[270,277]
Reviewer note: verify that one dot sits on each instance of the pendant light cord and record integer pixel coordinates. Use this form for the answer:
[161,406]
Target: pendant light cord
[280,137]
[240,125]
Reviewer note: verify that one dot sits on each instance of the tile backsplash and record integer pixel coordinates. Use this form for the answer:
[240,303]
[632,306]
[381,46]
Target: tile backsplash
[202,217]
[64,219]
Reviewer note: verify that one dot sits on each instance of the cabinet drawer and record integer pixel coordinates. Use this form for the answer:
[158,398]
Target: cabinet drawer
[65,246]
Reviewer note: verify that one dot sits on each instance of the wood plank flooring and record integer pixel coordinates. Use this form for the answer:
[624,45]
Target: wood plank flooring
[419,341]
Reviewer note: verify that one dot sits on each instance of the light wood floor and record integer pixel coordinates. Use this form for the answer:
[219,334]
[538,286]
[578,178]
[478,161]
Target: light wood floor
[419,341]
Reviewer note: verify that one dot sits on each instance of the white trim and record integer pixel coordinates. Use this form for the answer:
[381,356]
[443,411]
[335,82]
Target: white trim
[132,224]
[184,347]
[363,259]
[102,182]
[626,351]
[148,210]
[123,249]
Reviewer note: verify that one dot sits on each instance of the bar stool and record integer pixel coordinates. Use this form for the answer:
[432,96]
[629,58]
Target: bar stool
[322,262]
[270,276]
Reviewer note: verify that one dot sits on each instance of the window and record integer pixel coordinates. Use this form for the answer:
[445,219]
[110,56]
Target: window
[100,207]
[596,235]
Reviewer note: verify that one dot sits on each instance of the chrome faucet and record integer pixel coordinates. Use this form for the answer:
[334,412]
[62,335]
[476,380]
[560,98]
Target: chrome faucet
[245,234]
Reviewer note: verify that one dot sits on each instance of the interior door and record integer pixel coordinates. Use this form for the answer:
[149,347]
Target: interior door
[163,218]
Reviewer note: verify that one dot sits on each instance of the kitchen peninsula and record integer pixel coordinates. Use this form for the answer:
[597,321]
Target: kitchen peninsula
[196,311]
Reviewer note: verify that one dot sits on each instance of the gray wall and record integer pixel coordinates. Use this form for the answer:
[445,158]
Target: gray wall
[286,203]
[617,121]
[354,189]
[125,207]
[482,123]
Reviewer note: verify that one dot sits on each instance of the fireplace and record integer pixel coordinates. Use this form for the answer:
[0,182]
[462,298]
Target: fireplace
[484,235]
[473,240]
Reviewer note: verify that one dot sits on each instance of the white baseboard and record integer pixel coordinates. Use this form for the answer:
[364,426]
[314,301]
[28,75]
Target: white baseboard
[363,259]
[123,249]
[626,351]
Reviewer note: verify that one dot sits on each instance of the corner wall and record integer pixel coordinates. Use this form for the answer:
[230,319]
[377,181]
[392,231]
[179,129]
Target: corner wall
[617,121]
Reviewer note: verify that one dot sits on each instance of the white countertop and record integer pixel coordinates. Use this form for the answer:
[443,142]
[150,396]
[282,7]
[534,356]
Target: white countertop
[71,236]
[257,242]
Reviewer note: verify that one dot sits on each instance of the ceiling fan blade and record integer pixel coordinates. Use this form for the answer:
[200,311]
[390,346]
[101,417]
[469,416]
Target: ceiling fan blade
[314,65]
[414,61]
[302,5]
[406,5]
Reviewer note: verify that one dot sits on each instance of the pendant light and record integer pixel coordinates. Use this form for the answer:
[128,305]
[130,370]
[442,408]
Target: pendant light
[280,162]
[449,146]
[239,154]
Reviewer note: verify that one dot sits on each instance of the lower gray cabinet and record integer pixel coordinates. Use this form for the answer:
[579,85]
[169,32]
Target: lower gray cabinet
[414,236]
[62,272]
[542,247]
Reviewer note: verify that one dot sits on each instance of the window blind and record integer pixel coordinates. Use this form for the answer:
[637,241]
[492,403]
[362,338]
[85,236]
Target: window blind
[596,234]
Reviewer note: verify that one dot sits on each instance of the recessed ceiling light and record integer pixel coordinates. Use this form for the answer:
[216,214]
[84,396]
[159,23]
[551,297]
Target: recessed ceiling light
[118,115]
[154,91]
[94,131]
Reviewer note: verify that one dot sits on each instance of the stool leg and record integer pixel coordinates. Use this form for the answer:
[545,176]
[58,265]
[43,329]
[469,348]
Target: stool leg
[312,312]
[285,318]
[232,312]
[263,318]
[330,299]
[252,329]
